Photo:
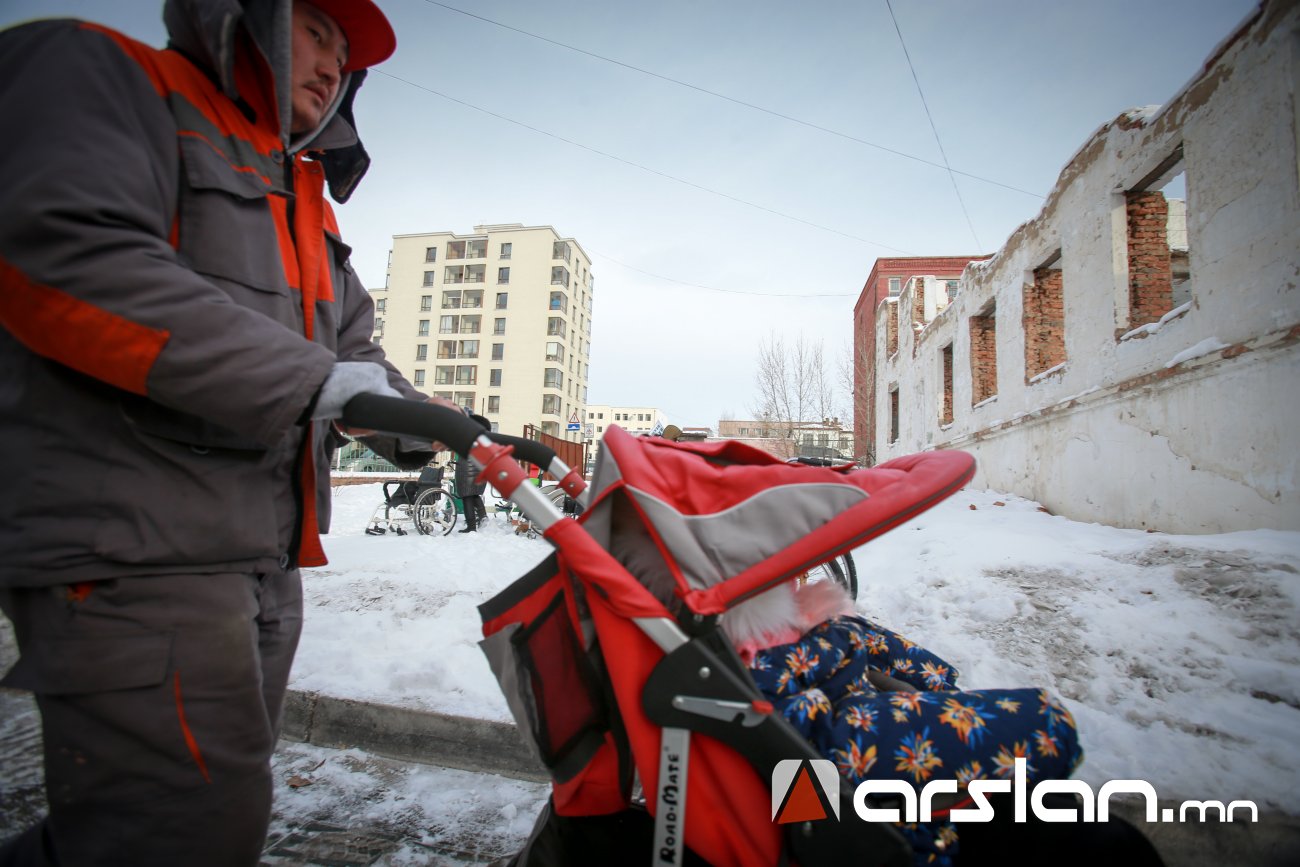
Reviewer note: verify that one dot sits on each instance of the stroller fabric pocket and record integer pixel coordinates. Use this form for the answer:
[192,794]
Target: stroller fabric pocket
[534,644]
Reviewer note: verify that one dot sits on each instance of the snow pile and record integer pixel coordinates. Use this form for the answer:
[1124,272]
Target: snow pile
[1179,655]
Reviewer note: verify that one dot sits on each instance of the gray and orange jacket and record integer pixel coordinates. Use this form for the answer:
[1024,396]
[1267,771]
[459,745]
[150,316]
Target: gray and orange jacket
[173,292]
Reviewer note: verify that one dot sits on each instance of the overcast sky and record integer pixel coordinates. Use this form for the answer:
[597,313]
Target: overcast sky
[733,169]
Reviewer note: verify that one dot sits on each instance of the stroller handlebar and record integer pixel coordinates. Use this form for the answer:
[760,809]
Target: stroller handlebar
[431,421]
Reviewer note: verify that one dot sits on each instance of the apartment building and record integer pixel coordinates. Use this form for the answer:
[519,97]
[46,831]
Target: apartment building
[498,320]
[633,419]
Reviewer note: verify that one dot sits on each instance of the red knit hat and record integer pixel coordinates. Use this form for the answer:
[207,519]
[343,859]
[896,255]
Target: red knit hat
[370,37]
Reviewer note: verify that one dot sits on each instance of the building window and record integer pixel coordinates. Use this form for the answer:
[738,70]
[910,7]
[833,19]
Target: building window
[431,254]
[502,299]
[895,286]
[555,326]
[893,414]
[560,250]
[451,299]
[560,276]
[506,246]
[945,408]
[449,325]
[494,377]
[419,378]
[468,349]
[952,286]
[465,399]
[467,374]
[553,378]
[503,275]
[550,404]
[471,324]
[455,249]
[498,351]
[494,404]
[473,299]
[984,354]
[1159,276]
[555,351]
[560,301]
[377,340]
[1044,319]
[428,278]
[444,375]
[426,303]
[499,325]
[422,352]
[381,306]
[446,349]
[424,328]
[452,274]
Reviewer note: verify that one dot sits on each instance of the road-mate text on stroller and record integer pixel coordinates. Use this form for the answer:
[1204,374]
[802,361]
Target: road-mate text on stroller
[612,656]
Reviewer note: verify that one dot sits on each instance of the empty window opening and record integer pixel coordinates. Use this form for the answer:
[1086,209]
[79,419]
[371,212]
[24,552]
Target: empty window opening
[984,354]
[1159,274]
[945,408]
[1044,318]
[893,414]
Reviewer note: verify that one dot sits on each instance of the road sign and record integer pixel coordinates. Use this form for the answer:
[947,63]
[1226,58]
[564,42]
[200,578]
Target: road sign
[574,424]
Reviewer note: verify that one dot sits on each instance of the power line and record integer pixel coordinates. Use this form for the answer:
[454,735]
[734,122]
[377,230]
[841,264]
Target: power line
[643,168]
[933,128]
[732,99]
[716,289]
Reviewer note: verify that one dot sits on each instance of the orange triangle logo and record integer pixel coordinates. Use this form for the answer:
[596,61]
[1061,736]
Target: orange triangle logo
[802,803]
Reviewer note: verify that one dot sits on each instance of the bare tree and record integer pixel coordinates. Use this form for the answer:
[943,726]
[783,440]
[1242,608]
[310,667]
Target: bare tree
[793,383]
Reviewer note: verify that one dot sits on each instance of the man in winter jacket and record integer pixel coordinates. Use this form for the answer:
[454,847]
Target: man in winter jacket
[179,325]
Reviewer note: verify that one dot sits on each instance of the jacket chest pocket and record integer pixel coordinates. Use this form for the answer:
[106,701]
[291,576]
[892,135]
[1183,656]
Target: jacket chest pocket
[228,232]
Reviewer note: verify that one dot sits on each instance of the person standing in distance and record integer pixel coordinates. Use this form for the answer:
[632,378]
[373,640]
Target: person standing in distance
[179,324]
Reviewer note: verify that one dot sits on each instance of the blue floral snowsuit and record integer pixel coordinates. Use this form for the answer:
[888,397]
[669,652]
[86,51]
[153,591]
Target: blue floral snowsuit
[819,684]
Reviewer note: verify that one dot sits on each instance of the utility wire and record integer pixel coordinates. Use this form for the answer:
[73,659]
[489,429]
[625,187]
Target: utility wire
[732,99]
[716,289]
[933,128]
[626,162]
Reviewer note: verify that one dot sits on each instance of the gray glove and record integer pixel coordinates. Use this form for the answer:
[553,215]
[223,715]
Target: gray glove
[346,381]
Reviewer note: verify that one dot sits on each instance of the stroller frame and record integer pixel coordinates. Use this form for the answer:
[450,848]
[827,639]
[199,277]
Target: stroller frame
[698,705]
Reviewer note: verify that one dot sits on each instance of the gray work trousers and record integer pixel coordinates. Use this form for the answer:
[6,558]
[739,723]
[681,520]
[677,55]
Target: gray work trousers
[160,701]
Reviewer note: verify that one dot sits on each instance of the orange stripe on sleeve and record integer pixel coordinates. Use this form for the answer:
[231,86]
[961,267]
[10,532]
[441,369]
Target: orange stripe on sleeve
[89,339]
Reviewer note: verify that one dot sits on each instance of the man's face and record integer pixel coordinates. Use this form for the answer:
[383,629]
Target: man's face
[319,51]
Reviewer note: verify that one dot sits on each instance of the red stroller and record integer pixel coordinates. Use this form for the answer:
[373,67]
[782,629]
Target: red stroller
[609,685]
[616,686]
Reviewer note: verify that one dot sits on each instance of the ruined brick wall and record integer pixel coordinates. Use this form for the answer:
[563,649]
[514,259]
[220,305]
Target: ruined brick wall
[891,332]
[945,409]
[983,356]
[1044,322]
[1150,283]
[918,304]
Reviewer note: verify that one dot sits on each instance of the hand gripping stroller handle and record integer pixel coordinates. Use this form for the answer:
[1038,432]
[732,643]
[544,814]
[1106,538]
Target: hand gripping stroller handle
[431,421]
[413,418]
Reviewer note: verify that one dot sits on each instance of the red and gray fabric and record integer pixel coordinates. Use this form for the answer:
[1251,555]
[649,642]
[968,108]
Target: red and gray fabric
[173,292]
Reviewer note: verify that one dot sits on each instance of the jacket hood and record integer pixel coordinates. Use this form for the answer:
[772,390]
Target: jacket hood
[207,32]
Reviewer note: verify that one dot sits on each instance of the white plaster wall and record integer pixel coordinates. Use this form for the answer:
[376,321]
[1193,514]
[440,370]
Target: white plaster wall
[1164,429]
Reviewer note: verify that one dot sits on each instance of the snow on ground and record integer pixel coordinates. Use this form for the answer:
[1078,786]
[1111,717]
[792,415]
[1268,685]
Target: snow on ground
[1179,655]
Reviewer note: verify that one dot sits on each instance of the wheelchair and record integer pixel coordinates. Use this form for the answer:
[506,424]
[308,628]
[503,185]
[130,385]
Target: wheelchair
[422,503]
